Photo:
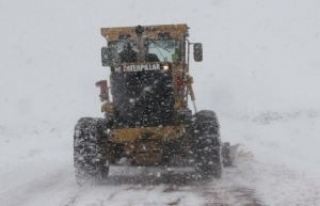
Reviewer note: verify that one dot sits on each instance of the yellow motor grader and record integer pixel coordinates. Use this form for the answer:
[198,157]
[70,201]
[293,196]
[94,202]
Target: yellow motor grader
[147,120]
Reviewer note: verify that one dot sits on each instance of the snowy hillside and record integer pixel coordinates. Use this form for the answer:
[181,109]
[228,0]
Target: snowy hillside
[261,74]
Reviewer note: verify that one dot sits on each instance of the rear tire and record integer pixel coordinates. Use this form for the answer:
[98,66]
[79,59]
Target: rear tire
[207,146]
[90,141]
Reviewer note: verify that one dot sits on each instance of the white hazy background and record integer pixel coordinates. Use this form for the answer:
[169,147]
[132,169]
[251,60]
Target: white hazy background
[258,55]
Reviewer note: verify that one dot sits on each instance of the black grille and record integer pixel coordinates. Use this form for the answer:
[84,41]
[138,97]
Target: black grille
[143,98]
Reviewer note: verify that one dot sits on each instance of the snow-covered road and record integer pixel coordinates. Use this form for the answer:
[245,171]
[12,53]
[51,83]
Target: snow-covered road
[268,171]
[143,188]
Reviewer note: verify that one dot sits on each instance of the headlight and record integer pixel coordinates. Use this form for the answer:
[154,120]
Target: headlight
[165,67]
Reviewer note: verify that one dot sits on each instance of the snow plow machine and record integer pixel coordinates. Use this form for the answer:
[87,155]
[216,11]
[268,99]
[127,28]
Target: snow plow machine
[147,121]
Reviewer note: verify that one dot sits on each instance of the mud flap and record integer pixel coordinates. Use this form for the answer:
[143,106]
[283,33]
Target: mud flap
[228,154]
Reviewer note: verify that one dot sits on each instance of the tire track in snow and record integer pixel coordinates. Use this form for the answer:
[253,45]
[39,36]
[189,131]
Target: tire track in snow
[173,188]
[230,197]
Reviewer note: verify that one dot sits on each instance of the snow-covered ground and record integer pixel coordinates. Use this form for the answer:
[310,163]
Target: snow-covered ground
[261,74]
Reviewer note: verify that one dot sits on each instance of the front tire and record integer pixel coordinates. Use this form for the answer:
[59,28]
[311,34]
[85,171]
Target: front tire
[90,139]
[207,146]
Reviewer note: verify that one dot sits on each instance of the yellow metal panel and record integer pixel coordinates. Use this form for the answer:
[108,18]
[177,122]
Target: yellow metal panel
[180,88]
[132,134]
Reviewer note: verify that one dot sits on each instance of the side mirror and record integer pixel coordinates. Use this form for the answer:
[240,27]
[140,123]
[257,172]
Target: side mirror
[197,52]
[107,56]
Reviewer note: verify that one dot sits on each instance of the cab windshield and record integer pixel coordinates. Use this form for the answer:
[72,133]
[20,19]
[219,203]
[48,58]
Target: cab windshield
[165,50]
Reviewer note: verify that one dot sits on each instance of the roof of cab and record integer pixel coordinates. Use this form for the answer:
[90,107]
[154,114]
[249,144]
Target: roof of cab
[176,31]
